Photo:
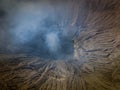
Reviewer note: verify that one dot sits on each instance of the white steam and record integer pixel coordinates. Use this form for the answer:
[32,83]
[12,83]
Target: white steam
[53,42]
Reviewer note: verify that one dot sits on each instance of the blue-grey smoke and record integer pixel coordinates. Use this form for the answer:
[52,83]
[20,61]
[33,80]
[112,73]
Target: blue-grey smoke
[36,29]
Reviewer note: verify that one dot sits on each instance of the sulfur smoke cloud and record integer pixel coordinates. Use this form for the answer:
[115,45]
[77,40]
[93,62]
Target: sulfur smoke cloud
[34,28]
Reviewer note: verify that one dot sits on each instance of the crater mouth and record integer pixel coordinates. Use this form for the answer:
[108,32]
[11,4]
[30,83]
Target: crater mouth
[36,32]
[51,46]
